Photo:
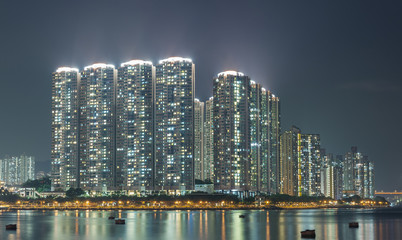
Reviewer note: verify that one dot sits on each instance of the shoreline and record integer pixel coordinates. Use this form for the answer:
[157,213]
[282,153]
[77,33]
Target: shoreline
[14,208]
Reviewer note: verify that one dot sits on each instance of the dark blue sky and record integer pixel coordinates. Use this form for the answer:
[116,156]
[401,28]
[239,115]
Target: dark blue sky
[336,65]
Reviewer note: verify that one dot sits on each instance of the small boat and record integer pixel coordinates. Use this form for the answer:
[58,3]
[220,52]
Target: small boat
[353,224]
[242,216]
[308,234]
[11,227]
[111,217]
[120,221]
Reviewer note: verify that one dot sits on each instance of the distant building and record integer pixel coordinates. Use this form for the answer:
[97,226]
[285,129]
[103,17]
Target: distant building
[40,175]
[327,175]
[331,175]
[208,188]
[337,164]
[17,170]
[358,177]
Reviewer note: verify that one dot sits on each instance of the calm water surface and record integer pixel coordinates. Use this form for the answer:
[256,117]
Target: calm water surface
[175,225]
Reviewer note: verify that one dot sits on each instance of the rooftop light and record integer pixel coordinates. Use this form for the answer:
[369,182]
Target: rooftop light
[175,59]
[136,62]
[233,73]
[67,69]
[99,65]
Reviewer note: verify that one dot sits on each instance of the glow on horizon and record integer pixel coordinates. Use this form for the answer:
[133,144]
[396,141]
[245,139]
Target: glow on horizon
[175,59]
[135,62]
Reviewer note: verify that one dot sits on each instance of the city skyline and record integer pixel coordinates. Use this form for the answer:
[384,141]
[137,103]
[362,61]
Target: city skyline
[340,79]
[138,128]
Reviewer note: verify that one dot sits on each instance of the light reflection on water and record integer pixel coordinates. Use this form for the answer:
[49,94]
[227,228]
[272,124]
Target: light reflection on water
[172,225]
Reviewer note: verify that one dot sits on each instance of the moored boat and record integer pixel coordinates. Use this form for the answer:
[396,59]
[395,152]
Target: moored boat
[111,217]
[308,234]
[11,227]
[353,224]
[242,216]
[120,221]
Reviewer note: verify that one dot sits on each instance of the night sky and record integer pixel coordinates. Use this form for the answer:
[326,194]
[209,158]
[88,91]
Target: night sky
[336,65]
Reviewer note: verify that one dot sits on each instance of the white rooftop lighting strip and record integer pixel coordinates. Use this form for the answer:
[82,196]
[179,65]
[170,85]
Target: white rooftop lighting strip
[99,65]
[135,62]
[67,69]
[233,73]
[175,59]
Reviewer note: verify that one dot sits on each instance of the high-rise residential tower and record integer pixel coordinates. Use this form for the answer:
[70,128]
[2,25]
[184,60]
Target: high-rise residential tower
[174,124]
[310,164]
[367,190]
[134,125]
[289,161]
[231,115]
[350,171]
[274,134]
[209,140]
[97,128]
[65,113]
[264,143]
[358,176]
[256,121]
[15,170]
[338,176]
[198,139]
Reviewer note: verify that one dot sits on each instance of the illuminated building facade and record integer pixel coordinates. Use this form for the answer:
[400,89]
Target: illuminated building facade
[327,175]
[289,161]
[264,143]
[368,177]
[231,131]
[254,163]
[134,126]
[310,158]
[16,170]
[97,127]
[350,172]
[64,147]
[358,177]
[337,163]
[273,136]
[198,139]
[209,140]
[174,124]
[331,175]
